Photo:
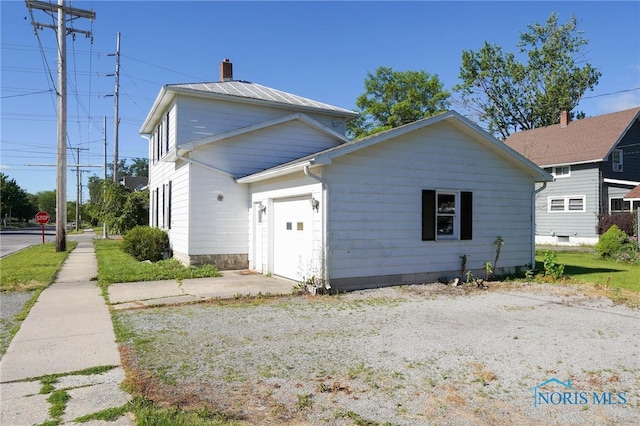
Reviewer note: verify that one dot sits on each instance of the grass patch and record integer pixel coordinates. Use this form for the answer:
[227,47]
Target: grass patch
[115,266]
[586,268]
[149,414]
[107,415]
[58,400]
[33,268]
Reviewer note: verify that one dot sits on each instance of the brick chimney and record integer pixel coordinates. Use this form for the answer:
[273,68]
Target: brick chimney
[565,117]
[226,70]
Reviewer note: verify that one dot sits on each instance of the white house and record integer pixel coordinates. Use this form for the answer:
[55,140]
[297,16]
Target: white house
[244,176]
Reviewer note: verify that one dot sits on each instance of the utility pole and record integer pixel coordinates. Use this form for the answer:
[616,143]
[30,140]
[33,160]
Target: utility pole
[104,183]
[78,186]
[116,114]
[61,188]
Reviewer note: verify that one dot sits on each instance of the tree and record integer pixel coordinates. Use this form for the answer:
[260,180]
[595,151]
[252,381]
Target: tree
[120,208]
[47,201]
[511,96]
[394,98]
[14,201]
[140,167]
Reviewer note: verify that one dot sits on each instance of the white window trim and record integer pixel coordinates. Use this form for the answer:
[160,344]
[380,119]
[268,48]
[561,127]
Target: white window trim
[618,211]
[560,176]
[455,215]
[566,199]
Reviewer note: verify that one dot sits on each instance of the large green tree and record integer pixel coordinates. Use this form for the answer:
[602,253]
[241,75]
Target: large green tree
[14,201]
[394,98]
[510,96]
[119,207]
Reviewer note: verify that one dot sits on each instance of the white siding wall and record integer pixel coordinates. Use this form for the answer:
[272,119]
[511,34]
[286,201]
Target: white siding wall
[217,227]
[375,205]
[159,175]
[257,151]
[199,118]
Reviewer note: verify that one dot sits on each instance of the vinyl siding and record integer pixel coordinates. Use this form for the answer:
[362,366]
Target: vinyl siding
[630,145]
[178,174]
[256,151]
[199,118]
[584,181]
[375,206]
[217,227]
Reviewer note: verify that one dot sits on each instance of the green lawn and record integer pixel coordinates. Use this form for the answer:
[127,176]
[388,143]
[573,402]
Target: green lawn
[116,266]
[32,268]
[586,267]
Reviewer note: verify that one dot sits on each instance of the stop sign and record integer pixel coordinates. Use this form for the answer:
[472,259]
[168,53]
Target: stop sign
[42,218]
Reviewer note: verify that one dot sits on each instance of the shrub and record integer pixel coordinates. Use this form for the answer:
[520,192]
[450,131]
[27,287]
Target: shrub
[611,242]
[615,244]
[146,243]
[623,220]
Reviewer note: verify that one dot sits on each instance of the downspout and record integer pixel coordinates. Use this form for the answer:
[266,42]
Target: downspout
[325,211]
[533,223]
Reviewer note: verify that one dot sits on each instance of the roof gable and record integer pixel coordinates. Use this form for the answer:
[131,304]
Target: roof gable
[183,149]
[451,117]
[633,194]
[239,91]
[582,141]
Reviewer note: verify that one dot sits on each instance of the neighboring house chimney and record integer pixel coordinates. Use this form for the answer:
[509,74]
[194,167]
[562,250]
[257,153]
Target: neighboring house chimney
[226,70]
[564,118]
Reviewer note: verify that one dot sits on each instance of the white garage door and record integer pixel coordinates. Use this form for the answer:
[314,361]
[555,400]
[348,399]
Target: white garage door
[293,237]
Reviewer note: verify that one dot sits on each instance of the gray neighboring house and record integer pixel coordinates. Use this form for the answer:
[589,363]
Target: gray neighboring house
[595,163]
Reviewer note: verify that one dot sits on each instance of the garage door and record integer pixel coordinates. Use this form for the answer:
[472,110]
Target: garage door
[293,237]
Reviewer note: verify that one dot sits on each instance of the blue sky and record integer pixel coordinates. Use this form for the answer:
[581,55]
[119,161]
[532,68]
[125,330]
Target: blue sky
[320,50]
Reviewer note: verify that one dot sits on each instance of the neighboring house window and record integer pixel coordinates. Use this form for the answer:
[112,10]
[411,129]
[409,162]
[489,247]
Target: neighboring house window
[446,215]
[616,160]
[573,203]
[561,172]
[619,205]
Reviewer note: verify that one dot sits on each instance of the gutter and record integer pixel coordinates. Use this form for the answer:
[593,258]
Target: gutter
[533,222]
[325,211]
[206,166]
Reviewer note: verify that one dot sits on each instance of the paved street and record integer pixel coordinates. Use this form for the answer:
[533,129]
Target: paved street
[12,240]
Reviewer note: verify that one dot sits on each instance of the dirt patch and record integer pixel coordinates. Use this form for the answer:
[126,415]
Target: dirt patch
[430,354]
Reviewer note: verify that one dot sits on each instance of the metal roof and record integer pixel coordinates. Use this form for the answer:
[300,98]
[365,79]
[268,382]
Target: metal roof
[248,90]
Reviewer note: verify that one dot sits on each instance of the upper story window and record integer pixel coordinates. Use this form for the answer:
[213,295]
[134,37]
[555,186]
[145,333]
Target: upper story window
[616,160]
[561,172]
[160,139]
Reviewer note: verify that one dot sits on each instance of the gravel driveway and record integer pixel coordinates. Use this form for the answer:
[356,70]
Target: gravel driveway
[410,355]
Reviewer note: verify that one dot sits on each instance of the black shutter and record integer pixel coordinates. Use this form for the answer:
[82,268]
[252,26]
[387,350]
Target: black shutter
[466,215]
[428,215]
[169,208]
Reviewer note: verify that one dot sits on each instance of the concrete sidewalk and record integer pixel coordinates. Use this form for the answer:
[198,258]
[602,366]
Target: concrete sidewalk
[68,329]
[230,285]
